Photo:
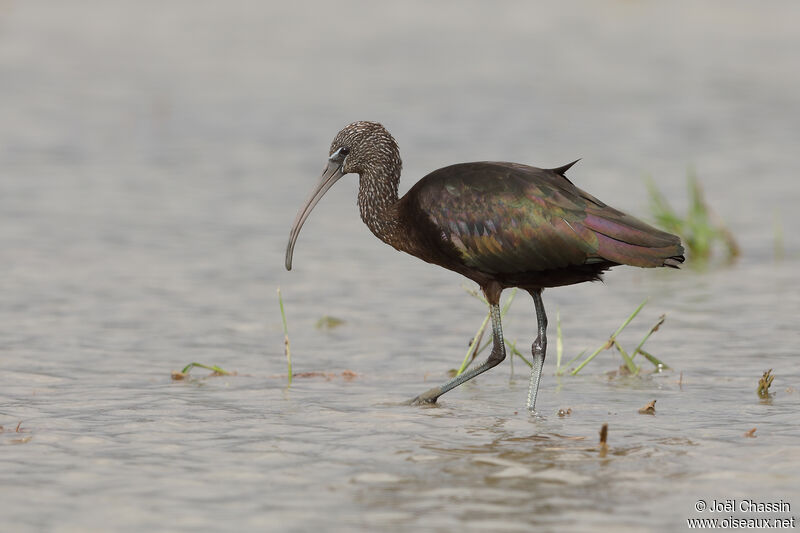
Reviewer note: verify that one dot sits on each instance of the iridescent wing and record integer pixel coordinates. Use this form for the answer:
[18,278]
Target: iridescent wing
[510,218]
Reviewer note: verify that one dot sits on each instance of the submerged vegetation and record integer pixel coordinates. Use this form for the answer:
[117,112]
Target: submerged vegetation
[627,358]
[477,344]
[215,371]
[700,229]
[764,384]
[286,346]
[328,322]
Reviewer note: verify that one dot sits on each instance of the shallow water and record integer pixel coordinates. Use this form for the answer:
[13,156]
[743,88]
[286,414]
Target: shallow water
[154,157]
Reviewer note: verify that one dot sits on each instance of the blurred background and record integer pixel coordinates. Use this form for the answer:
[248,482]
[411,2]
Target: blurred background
[153,156]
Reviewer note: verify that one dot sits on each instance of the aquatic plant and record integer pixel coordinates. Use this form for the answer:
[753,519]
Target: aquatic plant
[287,348]
[475,346]
[764,383]
[216,371]
[328,322]
[699,229]
[627,359]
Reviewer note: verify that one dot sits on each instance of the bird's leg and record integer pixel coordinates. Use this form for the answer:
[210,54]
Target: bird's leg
[497,355]
[539,348]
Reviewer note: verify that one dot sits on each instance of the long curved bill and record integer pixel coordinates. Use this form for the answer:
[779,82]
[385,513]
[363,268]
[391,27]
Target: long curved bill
[330,176]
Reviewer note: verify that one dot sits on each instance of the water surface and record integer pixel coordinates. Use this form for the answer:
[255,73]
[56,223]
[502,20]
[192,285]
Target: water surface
[153,158]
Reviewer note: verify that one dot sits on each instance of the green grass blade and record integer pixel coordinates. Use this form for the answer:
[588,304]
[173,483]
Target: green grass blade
[628,320]
[653,359]
[474,293]
[653,329]
[664,214]
[575,358]
[473,345]
[286,338]
[508,302]
[513,349]
[632,368]
[473,350]
[589,359]
[213,368]
[611,340]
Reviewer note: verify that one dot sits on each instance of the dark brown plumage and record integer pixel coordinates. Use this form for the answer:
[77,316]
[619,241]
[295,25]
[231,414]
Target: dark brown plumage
[499,224]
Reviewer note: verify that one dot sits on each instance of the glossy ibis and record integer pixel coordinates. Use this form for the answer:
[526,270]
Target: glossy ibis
[499,224]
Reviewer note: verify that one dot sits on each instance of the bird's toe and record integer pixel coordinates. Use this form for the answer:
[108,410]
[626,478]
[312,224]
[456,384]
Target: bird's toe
[426,398]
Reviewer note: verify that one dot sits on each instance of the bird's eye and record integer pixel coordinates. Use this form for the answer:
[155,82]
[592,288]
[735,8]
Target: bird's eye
[339,154]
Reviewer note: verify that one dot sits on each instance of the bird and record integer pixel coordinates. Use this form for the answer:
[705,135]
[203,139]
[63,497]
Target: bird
[499,224]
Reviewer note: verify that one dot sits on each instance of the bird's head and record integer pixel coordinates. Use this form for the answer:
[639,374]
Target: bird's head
[362,148]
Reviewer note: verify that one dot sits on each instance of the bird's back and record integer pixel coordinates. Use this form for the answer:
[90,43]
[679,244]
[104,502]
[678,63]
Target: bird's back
[518,223]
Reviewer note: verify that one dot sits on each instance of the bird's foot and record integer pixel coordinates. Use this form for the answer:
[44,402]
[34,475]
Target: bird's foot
[426,398]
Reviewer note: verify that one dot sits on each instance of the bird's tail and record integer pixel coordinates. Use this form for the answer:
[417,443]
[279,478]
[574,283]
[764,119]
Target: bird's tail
[627,240]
